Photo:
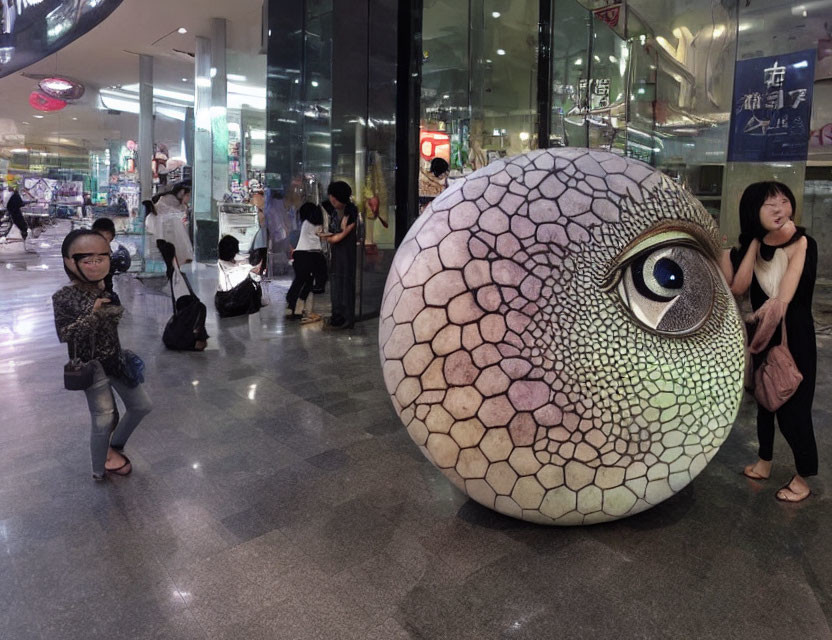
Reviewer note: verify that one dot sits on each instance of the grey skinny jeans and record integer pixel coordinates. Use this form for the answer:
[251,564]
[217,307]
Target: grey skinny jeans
[104,413]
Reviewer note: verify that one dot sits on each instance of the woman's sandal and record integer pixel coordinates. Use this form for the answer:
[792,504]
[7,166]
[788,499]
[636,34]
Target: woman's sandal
[749,472]
[123,470]
[784,497]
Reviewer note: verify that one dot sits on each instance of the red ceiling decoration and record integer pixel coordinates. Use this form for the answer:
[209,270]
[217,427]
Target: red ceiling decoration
[43,102]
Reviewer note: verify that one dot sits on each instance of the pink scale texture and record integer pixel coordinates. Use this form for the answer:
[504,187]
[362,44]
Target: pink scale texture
[503,315]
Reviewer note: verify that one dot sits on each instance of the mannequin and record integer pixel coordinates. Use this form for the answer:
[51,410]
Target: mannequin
[375,201]
[168,220]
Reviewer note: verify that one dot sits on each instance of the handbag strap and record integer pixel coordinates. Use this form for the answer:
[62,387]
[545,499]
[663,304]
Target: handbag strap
[172,296]
[187,284]
[784,339]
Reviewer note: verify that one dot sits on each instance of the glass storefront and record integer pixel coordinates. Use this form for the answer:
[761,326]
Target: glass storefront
[332,116]
[488,79]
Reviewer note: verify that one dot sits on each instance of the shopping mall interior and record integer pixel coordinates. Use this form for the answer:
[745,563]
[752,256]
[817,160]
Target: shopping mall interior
[480,415]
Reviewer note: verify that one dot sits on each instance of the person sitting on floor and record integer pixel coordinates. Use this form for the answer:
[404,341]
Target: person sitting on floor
[238,288]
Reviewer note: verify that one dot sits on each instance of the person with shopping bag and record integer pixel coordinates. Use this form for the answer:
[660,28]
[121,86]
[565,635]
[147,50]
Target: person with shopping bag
[777,263]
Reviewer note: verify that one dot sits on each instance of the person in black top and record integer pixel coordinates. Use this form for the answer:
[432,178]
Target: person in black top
[777,263]
[15,208]
[120,260]
[342,238]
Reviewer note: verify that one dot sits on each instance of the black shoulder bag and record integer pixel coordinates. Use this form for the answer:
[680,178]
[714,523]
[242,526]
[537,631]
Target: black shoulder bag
[79,376]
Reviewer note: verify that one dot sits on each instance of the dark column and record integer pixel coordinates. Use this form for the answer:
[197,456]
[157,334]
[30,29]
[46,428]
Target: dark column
[544,74]
[407,114]
[284,83]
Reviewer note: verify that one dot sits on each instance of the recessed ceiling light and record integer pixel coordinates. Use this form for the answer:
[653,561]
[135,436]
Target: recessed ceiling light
[501,52]
[24,122]
[488,60]
[314,83]
[182,30]
[74,117]
[184,79]
[37,116]
[495,14]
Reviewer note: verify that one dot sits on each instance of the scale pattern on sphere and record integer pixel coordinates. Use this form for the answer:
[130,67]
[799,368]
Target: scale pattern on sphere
[557,339]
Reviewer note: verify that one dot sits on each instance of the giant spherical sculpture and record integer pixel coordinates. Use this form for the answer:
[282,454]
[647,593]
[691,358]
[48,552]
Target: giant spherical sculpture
[557,339]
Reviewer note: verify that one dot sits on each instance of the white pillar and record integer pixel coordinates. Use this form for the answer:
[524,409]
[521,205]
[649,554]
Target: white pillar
[219,102]
[145,125]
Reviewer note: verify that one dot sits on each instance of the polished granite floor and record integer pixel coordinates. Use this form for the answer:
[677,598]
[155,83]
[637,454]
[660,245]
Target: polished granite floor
[275,495]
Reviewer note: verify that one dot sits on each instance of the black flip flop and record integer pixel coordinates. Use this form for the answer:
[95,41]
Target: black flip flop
[119,471]
[788,487]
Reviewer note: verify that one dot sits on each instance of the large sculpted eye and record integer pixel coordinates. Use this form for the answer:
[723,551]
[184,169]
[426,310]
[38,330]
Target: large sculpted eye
[669,289]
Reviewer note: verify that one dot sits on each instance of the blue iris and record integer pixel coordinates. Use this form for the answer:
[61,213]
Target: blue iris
[668,274]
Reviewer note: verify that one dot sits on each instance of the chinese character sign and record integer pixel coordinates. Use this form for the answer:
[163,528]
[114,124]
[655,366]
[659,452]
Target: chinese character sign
[772,108]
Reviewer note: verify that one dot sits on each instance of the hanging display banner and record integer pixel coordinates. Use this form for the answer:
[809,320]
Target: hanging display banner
[33,29]
[772,108]
[611,14]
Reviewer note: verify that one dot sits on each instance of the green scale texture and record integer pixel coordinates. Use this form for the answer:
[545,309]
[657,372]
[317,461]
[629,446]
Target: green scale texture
[514,356]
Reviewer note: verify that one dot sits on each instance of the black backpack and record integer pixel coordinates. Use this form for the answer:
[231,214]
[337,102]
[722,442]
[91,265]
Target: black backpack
[186,326]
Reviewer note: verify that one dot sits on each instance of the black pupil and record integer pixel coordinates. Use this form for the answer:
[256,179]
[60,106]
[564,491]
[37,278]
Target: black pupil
[668,274]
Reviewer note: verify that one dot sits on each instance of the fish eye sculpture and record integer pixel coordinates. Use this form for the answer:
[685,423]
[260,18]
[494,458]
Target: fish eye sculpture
[557,338]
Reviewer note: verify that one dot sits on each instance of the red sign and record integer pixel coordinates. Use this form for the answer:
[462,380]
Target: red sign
[434,144]
[609,14]
[42,102]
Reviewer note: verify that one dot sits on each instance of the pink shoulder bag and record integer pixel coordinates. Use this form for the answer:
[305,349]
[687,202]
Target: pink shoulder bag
[777,378]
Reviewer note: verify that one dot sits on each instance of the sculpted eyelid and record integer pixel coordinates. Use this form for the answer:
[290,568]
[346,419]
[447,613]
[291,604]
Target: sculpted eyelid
[652,240]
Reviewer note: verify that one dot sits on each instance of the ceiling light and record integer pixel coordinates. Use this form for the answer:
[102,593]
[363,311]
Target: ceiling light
[61,88]
[184,79]
[19,150]
[37,116]
[74,117]
[596,58]
[314,83]
[182,30]
[495,14]
[501,52]
[488,60]
[578,62]
[235,77]
[24,122]
[446,96]
[613,59]
[524,135]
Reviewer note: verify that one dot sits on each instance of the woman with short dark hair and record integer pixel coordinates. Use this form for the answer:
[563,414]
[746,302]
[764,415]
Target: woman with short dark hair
[777,262]
[342,237]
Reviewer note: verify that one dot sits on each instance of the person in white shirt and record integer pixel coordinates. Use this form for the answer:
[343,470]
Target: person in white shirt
[308,260]
[238,286]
